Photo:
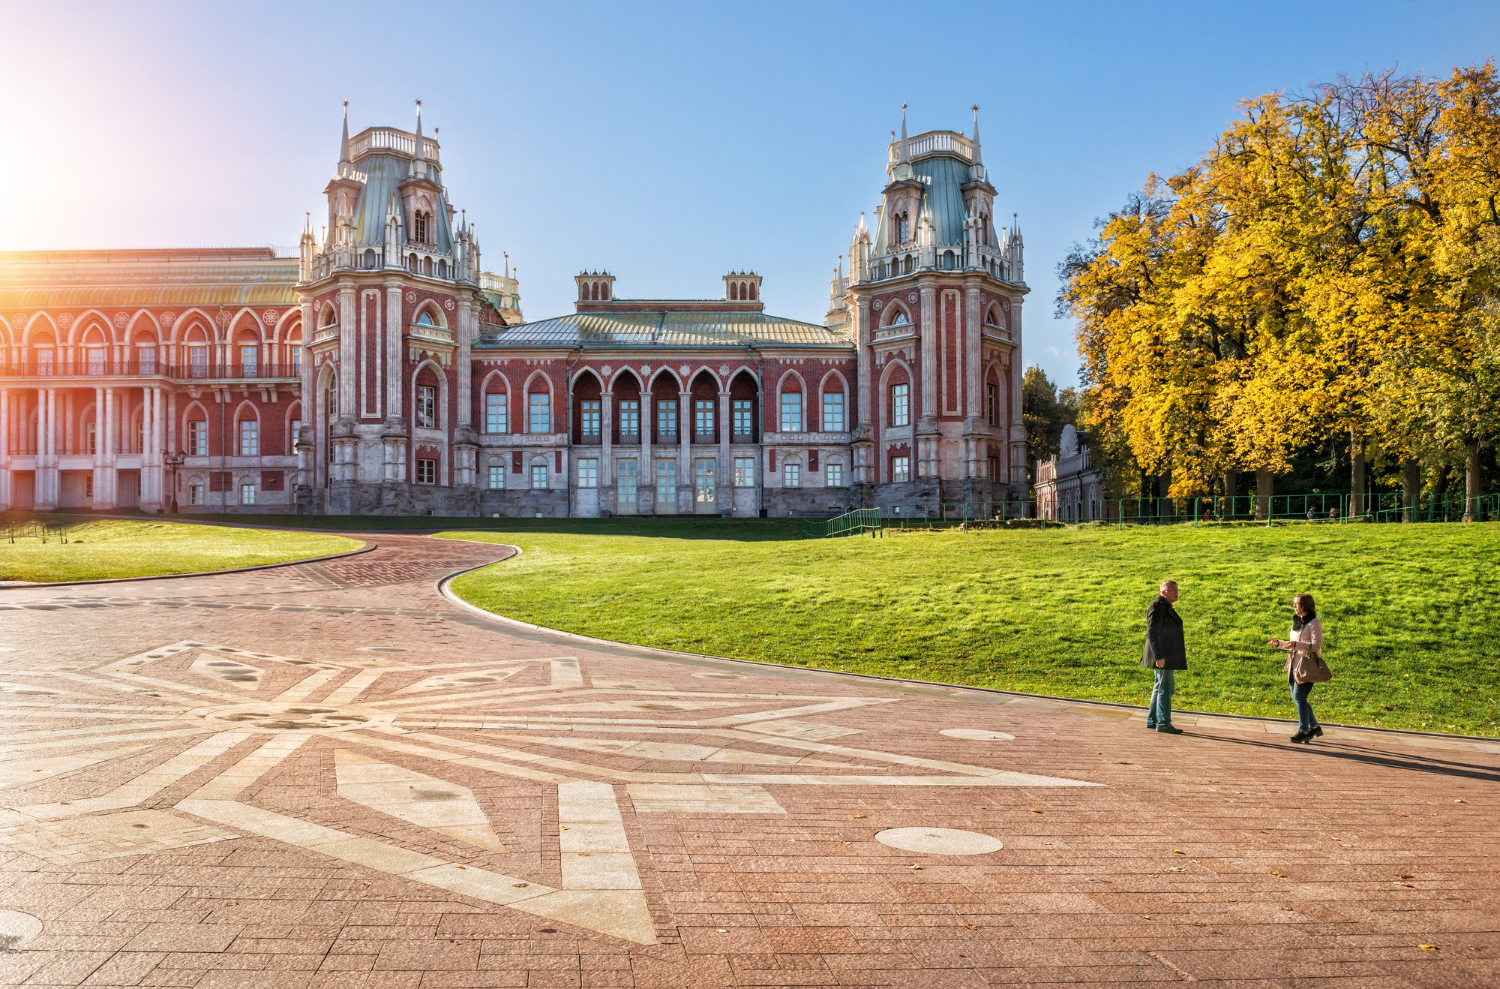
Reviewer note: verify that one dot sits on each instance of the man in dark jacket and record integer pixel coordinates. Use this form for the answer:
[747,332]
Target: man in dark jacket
[1164,653]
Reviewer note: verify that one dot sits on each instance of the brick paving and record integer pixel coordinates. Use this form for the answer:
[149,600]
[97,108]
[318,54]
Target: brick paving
[328,775]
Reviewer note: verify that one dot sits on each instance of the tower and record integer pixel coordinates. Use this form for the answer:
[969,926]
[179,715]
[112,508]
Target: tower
[935,296]
[394,297]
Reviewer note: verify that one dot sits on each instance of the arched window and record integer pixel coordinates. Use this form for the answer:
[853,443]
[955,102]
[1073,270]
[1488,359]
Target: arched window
[790,406]
[754,293]
[329,316]
[903,227]
[411,262]
[370,258]
[425,319]
[427,266]
[442,269]
[419,225]
[604,291]
[594,293]
[734,291]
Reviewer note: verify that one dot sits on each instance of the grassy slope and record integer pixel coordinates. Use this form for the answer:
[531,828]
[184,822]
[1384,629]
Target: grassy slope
[1412,624]
[127,548]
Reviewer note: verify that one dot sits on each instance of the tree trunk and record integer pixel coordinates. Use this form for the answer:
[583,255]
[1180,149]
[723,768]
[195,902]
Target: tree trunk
[1356,475]
[1231,485]
[1264,487]
[1411,488]
[1471,479]
[1163,491]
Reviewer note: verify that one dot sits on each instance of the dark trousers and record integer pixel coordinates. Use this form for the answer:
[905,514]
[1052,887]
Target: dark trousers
[1305,720]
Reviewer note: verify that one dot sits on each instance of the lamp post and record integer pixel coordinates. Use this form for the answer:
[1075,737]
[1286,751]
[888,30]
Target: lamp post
[172,461]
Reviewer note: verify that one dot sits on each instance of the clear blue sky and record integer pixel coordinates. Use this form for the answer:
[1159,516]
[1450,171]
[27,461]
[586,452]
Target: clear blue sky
[666,142]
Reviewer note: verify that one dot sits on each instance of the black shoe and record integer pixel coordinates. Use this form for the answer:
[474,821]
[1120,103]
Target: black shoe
[1150,727]
[1301,737]
[1169,730]
[1317,732]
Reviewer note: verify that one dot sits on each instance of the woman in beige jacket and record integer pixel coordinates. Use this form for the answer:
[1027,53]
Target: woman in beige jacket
[1307,637]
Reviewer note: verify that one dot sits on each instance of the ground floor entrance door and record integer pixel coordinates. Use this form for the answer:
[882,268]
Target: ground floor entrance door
[703,486]
[625,487]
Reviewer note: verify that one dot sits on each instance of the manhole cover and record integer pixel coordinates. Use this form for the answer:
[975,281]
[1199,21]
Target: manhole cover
[939,841]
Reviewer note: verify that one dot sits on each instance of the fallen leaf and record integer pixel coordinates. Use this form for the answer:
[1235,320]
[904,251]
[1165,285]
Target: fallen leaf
[1144,917]
[974,928]
[1428,947]
[723,930]
[1177,868]
[1178,851]
[1281,875]
[859,815]
[1035,811]
[520,885]
[1405,875]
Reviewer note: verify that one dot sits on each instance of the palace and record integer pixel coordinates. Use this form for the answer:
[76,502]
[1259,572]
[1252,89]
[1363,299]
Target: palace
[384,371]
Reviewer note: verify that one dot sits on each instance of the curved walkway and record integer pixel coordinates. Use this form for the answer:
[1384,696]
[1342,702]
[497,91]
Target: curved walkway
[326,774]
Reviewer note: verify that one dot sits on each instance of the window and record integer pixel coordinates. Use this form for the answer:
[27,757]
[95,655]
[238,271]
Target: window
[791,475]
[703,420]
[419,227]
[249,438]
[993,466]
[625,479]
[249,361]
[834,474]
[426,471]
[198,362]
[833,412]
[291,440]
[588,472]
[197,445]
[791,412]
[148,360]
[666,482]
[426,406]
[90,438]
[425,319]
[44,360]
[88,486]
[495,413]
[539,412]
[744,472]
[744,421]
[992,404]
[901,405]
[666,420]
[900,470]
[630,420]
[539,477]
[96,360]
[297,359]
[497,477]
[591,412]
[247,494]
[195,494]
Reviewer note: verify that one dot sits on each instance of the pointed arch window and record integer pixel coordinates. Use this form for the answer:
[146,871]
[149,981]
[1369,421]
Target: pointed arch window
[425,319]
[903,227]
[419,225]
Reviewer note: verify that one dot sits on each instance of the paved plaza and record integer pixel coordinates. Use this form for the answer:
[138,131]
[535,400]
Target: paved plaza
[330,775]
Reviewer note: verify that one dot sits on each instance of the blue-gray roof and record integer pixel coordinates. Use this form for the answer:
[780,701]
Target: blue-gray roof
[382,175]
[943,178]
[666,330]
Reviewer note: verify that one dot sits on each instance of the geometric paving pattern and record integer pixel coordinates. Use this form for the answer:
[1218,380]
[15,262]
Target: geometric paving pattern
[329,775]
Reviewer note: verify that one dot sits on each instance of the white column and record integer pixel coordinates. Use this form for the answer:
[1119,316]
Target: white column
[5,481]
[395,328]
[348,361]
[862,386]
[724,482]
[464,366]
[930,332]
[607,441]
[645,470]
[685,455]
[972,405]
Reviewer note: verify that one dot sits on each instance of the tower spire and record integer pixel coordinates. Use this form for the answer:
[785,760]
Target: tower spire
[977,159]
[902,160]
[418,162]
[344,163]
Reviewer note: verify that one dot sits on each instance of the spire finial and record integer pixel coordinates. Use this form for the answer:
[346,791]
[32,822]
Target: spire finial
[343,169]
[902,160]
[977,158]
[418,158]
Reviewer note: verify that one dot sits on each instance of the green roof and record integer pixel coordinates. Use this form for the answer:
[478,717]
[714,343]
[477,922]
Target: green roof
[182,277]
[665,330]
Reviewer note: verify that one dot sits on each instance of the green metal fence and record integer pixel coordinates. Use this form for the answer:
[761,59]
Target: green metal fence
[853,523]
[47,532]
[1315,507]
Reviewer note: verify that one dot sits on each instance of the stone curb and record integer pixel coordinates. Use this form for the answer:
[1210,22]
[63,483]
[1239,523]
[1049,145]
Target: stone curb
[366,548]
[444,588]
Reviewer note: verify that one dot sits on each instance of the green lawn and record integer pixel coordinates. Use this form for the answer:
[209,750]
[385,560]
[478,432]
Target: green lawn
[102,548]
[1410,612]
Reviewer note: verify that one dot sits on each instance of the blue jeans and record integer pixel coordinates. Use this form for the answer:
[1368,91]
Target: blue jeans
[1305,720]
[1160,712]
